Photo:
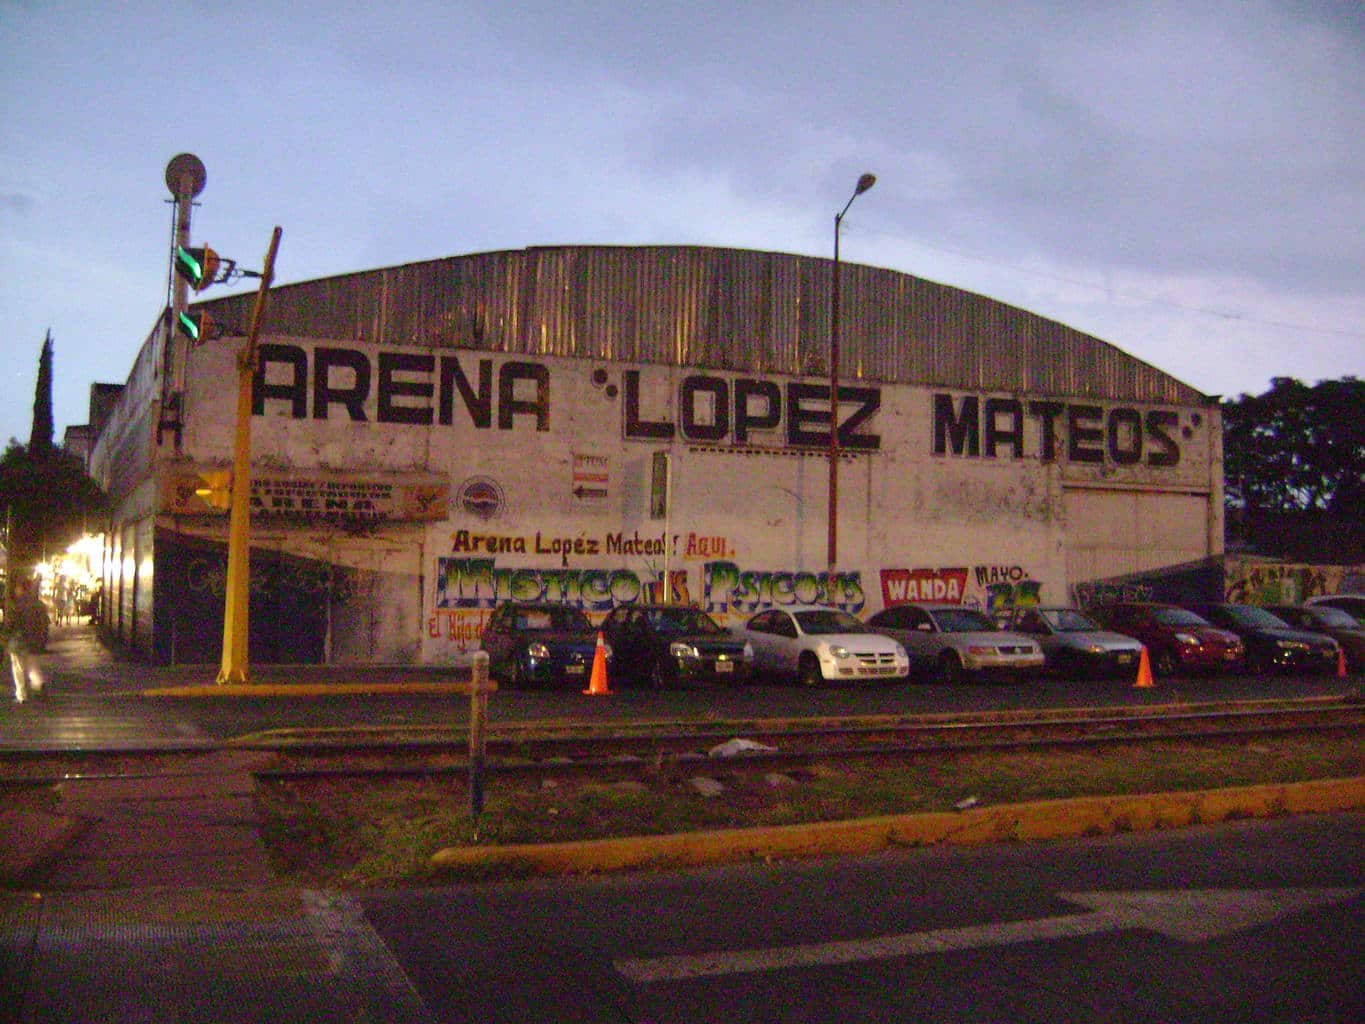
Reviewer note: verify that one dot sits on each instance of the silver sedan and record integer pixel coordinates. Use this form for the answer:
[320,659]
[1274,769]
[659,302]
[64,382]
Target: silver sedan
[948,641]
[1075,644]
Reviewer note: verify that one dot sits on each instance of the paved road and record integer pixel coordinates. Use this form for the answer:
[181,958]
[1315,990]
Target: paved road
[1252,922]
[1256,922]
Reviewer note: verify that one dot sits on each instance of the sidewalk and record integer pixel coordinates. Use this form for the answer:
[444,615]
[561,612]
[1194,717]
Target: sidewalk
[178,831]
[80,663]
[194,828]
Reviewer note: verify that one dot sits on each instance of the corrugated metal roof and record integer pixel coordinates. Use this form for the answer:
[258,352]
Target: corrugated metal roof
[726,309]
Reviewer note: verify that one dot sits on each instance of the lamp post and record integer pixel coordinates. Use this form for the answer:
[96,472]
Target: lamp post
[865,182]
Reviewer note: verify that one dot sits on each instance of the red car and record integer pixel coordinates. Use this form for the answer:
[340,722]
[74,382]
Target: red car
[1177,639]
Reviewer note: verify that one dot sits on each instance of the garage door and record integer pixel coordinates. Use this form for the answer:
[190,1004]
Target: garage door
[1114,533]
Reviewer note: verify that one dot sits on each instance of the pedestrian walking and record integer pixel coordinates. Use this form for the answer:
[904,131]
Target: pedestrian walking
[26,637]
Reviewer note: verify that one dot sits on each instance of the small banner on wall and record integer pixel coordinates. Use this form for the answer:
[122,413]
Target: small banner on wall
[376,497]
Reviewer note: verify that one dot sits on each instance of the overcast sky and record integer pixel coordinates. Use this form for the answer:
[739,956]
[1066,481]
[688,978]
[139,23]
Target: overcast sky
[1184,180]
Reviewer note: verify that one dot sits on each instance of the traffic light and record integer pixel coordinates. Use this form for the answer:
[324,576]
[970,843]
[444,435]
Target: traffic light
[197,266]
[216,487]
[198,327]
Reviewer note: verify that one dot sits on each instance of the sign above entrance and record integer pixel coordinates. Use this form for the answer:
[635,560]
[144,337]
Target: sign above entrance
[340,497]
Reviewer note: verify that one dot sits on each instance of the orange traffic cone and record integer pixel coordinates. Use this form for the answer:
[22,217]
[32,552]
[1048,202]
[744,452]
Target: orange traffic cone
[1144,679]
[1341,663]
[597,683]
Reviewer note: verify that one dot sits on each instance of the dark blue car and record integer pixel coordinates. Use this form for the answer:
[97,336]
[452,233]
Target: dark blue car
[540,644]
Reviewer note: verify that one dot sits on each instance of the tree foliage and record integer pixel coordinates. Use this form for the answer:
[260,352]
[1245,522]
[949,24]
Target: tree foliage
[40,438]
[1297,448]
[48,501]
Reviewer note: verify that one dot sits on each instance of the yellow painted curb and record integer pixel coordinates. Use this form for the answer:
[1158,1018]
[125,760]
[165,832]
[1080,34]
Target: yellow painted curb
[1050,819]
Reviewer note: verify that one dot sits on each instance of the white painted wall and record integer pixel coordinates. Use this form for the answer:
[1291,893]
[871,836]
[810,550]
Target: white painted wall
[920,514]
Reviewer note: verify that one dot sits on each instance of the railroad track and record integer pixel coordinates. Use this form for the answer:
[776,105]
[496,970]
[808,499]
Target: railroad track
[596,748]
[624,747]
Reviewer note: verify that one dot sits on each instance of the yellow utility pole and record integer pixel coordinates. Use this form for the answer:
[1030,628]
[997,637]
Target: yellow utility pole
[236,607]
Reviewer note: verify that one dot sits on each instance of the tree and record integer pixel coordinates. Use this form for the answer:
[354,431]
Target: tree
[48,502]
[1296,454]
[46,498]
[40,438]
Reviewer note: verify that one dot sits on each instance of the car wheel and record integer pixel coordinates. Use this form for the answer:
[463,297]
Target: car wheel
[808,670]
[659,676]
[1164,662]
[949,668]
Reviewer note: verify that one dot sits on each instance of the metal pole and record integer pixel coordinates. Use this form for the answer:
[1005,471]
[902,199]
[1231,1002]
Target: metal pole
[236,611]
[832,518]
[865,182]
[479,688]
[668,527]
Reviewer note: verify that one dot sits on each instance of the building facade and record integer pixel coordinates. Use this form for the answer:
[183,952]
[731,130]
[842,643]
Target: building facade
[602,425]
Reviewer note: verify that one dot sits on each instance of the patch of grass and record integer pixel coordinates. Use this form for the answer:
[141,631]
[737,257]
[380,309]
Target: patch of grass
[380,832]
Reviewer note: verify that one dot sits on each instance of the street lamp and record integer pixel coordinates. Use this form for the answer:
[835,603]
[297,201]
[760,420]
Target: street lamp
[865,182]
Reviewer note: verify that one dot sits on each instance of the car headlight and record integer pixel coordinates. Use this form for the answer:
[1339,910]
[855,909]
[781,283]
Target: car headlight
[840,651]
[1188,639]
[980,649]
[1291,645]
[537,650]
[1094,649]
[900,652]
[682,650]
[748,651]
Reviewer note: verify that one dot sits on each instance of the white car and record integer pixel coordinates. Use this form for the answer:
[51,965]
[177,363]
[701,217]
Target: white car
[817,644]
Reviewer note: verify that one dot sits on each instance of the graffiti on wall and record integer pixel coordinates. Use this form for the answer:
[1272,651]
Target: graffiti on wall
[726,587]
[460,620]
[993,588]
[1102,592]
[1250,582]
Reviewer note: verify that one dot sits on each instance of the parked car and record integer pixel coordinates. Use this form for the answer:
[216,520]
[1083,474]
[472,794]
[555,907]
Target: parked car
[1328,620]
[1352,604]
[1074,644]
[1271,643]
[816,644]
[948,641]
[667,644]
[539,644]
[1177,639]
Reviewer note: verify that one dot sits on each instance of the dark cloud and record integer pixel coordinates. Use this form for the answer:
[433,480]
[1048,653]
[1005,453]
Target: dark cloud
[17,202]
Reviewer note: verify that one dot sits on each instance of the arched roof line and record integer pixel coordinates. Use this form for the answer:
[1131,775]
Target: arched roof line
[733,310]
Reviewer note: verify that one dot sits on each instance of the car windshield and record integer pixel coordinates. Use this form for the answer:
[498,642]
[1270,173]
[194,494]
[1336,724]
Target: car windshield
[681,621]
[963,620]
[1177,617]
[1065,620]
[537,620]
[829,620]
[1249,615]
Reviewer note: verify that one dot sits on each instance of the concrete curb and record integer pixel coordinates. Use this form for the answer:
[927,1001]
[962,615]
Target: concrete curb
[1051,819]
